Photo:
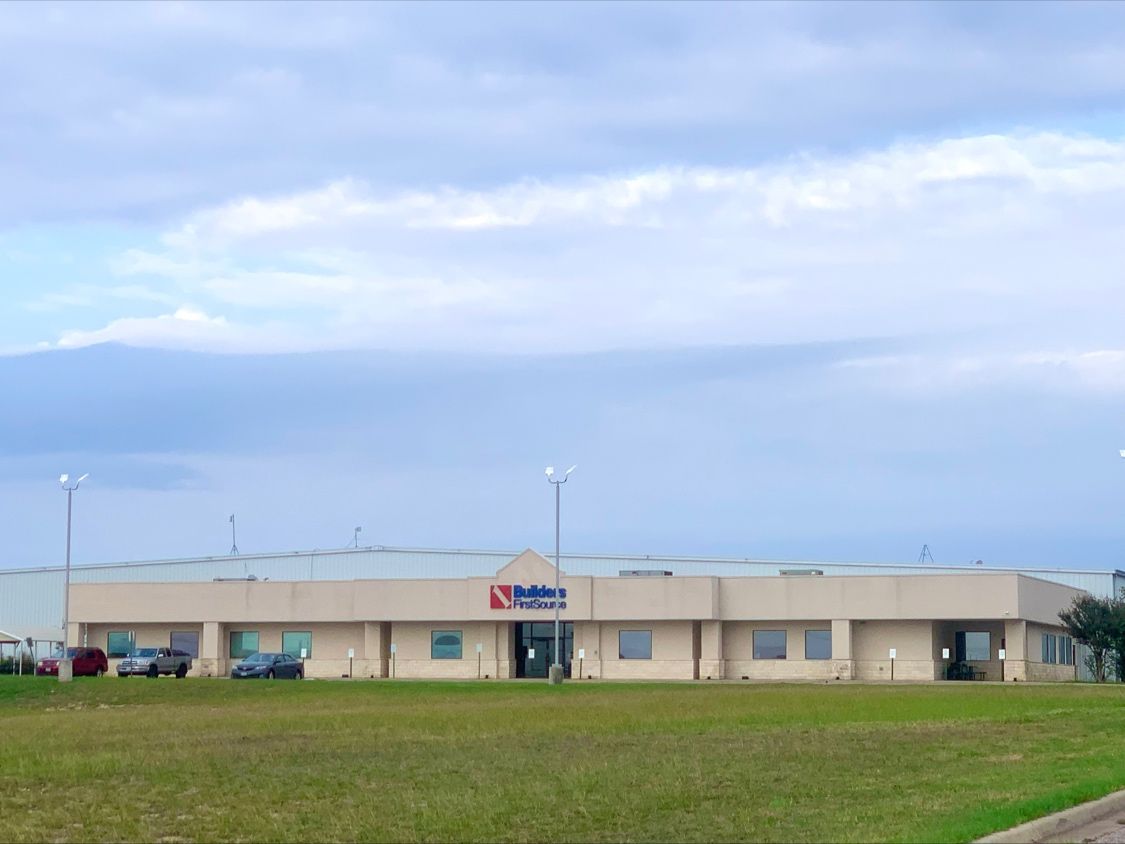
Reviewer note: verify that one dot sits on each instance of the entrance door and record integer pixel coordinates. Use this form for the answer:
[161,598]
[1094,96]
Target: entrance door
[535,647]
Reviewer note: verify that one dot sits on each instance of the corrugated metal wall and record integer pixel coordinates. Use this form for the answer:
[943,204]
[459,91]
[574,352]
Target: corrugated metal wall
[31,598]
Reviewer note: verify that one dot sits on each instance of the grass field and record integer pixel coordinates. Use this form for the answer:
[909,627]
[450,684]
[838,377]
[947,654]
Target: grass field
[208,760]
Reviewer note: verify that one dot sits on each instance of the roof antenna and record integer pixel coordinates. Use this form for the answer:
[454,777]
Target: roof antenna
[926,554]
[233,537]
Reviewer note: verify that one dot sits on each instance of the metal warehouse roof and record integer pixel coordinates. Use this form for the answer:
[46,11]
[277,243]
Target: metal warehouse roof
[34,596]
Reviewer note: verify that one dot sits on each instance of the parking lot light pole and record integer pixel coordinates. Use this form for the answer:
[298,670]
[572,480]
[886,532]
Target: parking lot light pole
[66,667]
[555,675]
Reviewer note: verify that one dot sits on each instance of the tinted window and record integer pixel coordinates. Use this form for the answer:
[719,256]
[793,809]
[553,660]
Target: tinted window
[634,644]
[818,644]
[973,646]
[445,644]
[186,641]
[119,644]
[243,643]
[770,644]
[294,642]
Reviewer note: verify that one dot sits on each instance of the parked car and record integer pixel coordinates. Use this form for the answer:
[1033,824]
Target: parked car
[152,662]
[85,662]
[268,666]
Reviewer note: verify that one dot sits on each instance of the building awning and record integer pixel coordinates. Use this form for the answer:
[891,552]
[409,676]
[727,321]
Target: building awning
[36,634]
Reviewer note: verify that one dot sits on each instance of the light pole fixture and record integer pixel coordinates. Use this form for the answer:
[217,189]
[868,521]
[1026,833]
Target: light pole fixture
[66,667]
[555,675]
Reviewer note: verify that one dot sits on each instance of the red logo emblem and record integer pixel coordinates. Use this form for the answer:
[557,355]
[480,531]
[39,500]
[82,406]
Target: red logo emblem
[501,597]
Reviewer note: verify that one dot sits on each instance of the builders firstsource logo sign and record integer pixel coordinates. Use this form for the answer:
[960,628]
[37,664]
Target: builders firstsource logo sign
[505,596]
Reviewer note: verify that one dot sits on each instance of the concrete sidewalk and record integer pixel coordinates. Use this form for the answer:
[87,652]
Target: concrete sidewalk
[1101,821]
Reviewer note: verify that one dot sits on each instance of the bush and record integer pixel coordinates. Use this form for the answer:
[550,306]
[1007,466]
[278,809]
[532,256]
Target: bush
[9,665]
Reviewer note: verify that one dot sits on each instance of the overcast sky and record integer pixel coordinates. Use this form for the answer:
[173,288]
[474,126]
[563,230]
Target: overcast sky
[785,280]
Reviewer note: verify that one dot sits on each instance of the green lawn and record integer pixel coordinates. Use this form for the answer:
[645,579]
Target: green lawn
[214,760]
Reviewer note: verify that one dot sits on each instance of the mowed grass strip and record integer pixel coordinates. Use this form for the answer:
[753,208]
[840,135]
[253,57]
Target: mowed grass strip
[213,760]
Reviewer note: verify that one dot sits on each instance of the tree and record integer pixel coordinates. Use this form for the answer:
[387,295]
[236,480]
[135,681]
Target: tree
[1117,615]
[1093,622]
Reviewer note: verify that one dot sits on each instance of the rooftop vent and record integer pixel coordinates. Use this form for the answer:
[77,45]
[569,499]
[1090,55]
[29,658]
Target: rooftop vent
[644,573]
[798,572]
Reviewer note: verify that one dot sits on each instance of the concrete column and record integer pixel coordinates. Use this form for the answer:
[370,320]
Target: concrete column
[592,642]
[71,640]
[842,662]
[377,647]
[1015,647]
[500,641]
[712,666]
[505,659]
[212,651]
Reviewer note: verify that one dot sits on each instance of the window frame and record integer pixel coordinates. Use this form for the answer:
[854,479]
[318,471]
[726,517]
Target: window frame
[110,652]
[460,634]
[647,632]
[193,652]
[817,658]
[784,644]
[257,643]
[961,640]
[297,656]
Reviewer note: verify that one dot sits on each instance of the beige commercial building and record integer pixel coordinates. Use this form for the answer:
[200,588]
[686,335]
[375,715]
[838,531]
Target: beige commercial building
[802,626]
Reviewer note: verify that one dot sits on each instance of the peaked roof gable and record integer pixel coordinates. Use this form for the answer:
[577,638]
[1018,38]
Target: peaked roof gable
[528,566]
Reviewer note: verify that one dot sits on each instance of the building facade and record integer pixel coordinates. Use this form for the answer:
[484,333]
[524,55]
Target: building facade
[800,626]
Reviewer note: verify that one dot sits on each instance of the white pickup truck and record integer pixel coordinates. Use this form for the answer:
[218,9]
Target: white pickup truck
[152,662]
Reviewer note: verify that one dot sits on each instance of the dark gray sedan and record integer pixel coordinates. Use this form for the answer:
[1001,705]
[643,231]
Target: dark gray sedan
[268,666]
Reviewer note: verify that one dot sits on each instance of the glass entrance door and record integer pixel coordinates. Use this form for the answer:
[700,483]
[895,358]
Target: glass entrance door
[535,647]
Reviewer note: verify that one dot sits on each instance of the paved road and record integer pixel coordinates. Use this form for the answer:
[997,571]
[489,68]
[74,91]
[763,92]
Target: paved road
[1111,830]
[1116,836]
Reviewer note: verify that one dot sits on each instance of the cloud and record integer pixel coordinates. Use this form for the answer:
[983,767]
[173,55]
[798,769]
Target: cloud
[186,328]
[89,295]
[993,238]
[102,121]
[902,176]
[1093,370]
